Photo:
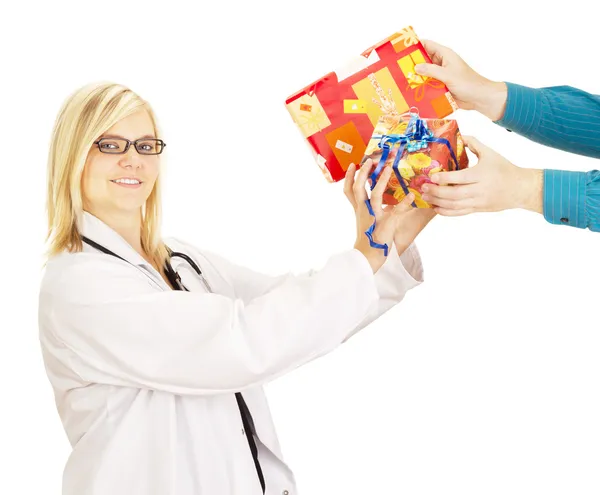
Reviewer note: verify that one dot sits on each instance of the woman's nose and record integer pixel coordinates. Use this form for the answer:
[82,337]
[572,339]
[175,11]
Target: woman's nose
[131,159]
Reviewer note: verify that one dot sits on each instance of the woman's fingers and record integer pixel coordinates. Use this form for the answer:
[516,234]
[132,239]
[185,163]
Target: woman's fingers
[384,230]
[377,192]
[404,205]
[349,184]
[360,193]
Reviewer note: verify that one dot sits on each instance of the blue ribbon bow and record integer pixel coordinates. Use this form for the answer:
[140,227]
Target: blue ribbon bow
[417,137]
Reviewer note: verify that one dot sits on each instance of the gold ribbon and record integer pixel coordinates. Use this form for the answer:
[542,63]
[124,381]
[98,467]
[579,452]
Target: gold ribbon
[419,83]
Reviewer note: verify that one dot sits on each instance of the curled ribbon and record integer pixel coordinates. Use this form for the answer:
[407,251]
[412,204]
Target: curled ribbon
[370,230]
[417,136]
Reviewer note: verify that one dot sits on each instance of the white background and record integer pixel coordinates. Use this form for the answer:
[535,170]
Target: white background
[483,381]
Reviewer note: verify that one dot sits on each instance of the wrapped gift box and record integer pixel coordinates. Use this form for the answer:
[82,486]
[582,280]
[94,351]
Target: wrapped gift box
[415,148]
[338,112]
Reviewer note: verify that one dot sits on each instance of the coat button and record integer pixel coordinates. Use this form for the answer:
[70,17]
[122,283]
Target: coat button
[285,492]
[564,220]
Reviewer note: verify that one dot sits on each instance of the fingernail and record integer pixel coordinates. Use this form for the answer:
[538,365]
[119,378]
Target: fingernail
[425,188]
[420,68]
[425,197]
[434,178]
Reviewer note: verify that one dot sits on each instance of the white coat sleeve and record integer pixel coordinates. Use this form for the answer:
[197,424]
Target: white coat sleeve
[393,280]
[111,326]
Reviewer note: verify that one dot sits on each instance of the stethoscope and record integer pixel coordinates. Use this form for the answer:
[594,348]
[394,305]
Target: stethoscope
[172,275]
[175,281]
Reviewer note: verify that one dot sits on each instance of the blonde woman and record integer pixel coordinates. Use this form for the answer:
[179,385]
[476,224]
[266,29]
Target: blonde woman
[157,350]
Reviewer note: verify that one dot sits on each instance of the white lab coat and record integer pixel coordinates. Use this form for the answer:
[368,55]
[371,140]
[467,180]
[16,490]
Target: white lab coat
[144,376]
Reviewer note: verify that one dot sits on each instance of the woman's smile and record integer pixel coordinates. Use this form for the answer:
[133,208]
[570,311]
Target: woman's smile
[129,182]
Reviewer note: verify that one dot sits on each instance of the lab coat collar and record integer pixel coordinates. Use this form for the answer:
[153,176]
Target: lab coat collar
[95,229]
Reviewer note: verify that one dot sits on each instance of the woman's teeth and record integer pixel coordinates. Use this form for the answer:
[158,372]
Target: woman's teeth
[126,181]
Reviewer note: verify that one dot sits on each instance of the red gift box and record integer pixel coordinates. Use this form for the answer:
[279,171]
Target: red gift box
[337,115]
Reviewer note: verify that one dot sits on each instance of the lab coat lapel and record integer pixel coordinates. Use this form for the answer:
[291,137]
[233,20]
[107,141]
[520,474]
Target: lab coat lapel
[95,229]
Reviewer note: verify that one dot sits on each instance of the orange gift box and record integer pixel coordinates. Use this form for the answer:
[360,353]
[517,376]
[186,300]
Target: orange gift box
[338,113]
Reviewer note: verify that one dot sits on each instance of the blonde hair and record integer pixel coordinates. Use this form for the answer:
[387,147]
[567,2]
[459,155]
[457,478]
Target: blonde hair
[84,116]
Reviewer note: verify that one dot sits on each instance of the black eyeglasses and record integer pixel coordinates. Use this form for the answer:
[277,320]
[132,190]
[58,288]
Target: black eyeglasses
[118,146]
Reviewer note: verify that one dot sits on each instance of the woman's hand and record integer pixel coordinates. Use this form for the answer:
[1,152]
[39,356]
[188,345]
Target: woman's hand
[387,219]
[411,224]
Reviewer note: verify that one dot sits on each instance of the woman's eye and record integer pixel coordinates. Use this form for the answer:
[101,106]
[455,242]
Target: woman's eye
[110,146]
